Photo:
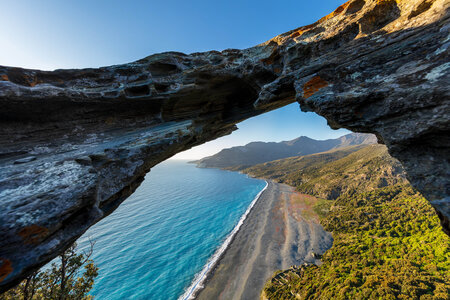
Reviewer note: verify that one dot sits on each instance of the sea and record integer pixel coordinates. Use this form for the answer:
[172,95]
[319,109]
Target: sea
[165,238]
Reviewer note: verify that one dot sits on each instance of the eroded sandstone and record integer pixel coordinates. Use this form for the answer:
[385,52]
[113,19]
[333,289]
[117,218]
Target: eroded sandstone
[76,143]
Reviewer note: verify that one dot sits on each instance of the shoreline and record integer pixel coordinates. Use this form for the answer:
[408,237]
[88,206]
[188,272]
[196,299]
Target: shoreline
[276,234]
[198,283]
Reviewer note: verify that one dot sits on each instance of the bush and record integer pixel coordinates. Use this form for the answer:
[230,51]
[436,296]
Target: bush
[405,256]
[64,280]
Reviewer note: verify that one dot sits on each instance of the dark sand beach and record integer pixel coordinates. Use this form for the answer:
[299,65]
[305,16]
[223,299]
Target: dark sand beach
[280,231]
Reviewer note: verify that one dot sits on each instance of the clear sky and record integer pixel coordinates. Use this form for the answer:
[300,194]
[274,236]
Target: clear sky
[53,34]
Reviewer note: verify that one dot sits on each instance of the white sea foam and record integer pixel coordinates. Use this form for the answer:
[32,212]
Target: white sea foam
[199,279]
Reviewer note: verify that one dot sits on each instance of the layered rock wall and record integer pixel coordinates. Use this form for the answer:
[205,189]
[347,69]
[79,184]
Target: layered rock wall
[75,143]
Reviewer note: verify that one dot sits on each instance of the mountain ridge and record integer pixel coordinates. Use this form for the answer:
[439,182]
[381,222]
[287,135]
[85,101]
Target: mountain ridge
[253,153]
[329,174]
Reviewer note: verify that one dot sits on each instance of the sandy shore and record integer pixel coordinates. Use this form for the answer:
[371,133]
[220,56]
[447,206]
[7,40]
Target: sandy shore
[280,231]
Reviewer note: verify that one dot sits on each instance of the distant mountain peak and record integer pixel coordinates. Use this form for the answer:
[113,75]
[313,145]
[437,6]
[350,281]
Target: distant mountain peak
[259,152]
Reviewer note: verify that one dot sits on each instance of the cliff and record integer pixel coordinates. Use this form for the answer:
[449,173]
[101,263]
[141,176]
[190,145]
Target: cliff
[76,143]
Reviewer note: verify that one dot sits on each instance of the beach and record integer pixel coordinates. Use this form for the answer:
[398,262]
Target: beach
[161,238]
[280,230]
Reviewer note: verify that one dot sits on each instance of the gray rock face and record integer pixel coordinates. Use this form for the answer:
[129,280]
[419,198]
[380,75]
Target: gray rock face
[75,143]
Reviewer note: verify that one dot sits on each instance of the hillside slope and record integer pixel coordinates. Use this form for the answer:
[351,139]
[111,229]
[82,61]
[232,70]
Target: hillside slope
[387,245]
[387,240]
[260,152]
[329,174]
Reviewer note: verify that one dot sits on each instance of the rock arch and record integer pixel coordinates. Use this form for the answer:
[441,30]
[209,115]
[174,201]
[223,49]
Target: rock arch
[76,143]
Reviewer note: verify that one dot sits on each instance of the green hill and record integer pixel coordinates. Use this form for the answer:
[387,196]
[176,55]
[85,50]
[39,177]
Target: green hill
[329,174]
[237,158]
[388,243]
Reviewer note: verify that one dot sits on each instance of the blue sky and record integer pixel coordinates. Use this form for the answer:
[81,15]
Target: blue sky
[51,34]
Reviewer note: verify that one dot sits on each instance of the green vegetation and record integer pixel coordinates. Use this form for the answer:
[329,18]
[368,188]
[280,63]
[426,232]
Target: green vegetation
[284,170]
[388,243]
[241,157]
[329,174]
[322,207]
[63,281]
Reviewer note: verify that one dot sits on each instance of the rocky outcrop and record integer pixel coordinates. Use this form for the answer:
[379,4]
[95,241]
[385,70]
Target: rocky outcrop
[76,143]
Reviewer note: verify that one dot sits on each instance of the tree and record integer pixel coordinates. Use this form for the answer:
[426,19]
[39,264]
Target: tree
[63,280]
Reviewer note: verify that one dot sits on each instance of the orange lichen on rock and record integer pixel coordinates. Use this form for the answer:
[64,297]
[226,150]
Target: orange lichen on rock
[313,86]
[387,1]
[32,81]
[383,13]
[4,77]
[33,234]
[302,30]
[423,7]
[306,28]
[336,12]
[5,268]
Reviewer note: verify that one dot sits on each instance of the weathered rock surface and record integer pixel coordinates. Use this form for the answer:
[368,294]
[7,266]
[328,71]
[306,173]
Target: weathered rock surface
[75,143]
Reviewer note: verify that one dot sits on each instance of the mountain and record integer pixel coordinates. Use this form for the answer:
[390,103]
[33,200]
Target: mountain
[237,158]
[329,174]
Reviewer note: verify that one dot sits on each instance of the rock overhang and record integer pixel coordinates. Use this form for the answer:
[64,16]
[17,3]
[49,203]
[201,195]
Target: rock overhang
[76,143]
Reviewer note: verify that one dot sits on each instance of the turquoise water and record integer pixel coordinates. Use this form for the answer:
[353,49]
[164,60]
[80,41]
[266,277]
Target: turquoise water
[155,243]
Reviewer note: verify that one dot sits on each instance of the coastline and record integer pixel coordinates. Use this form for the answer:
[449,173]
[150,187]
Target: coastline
[275,235]
[198,283]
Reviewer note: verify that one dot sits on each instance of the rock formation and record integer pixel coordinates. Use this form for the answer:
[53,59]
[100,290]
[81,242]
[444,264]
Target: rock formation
[76,143]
